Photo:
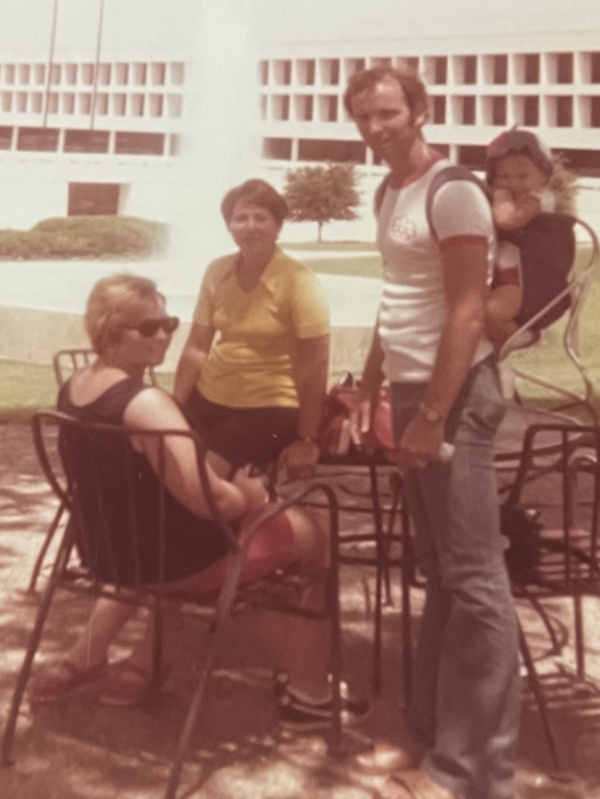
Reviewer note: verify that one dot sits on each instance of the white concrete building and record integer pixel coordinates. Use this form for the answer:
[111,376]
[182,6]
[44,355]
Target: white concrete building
[95,95]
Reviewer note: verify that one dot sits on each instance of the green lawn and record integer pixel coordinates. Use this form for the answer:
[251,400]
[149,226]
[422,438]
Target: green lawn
[25,387]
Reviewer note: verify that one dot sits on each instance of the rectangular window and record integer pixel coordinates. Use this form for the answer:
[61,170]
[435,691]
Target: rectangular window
[595,112]
[470,69]
[564,112]
[121,74]
[277,149]
[472,156]
[38,139]
[304,107]
[264,73]
[281,107]
[468,111]
[156,105]
[531,111]
[87,74]
[282,72]
[24,74]
[564,68]
[328,150]
[93,199]
[158,72]
[595,67]
[498,110]
[438,113]
[176,73]
[440,70]
[127,143]
[6,135]
[305,71]
[6,101]
[104,74]
[532,68]
[140,74]
[39,74]
[70,74]
[500,69]
[136,105]
[174,105]
[86,141]
[102,104]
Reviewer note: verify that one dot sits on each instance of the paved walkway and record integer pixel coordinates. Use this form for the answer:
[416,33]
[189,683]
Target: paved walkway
[79,749]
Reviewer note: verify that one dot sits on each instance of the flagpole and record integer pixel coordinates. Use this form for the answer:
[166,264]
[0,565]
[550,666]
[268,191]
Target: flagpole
[50,64]
[97,64]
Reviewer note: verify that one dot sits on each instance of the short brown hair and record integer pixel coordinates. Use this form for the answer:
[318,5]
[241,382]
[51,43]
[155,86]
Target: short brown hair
[258,192]
[114,303]
[410,83]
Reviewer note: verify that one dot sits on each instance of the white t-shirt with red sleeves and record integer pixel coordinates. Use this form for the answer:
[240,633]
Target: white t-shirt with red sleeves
[414,306]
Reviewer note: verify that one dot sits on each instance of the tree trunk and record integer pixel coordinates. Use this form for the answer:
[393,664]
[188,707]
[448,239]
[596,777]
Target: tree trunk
[319,229]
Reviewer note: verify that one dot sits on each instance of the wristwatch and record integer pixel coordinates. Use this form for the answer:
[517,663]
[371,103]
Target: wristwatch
[429,414]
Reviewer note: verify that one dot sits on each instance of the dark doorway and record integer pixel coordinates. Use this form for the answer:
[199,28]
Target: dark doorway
[87,199]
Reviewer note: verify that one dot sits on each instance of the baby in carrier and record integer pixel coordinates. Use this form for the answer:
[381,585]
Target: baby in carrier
[536,246]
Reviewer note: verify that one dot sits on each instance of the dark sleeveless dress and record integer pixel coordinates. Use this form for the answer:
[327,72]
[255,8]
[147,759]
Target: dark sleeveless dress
[109,542]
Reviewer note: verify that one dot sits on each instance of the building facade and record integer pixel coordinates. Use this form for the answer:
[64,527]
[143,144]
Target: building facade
[94,123]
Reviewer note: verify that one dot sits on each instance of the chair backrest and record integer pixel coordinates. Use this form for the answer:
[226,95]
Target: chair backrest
[119,507]
[67,361]
[576,292]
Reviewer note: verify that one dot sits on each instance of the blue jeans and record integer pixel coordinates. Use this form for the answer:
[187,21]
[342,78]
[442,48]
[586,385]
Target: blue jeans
[465,699]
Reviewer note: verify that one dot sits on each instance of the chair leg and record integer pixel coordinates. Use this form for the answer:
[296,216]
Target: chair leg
[407,576]
[579,637]
[540,699]
[44,549]
[6,758]
[380,552]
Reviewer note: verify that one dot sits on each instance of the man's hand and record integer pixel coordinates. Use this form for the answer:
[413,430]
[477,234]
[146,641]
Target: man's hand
[299,459]
[420,444]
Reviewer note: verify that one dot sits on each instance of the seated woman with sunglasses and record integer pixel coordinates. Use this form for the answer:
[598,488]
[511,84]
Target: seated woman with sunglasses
[253,374]
[130,331]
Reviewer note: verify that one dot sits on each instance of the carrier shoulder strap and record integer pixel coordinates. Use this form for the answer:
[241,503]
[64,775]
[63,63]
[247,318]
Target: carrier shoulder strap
[446,175]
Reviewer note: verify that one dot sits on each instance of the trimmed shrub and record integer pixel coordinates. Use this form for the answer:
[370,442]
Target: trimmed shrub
[81,237]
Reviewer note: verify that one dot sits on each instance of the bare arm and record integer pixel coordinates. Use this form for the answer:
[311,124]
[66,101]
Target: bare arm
[372,379]
[153,409]
[512,212]
[465,271]
[190,363]
[312,367]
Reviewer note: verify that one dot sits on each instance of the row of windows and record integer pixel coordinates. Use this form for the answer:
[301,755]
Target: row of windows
[586,162]
[519,68]
[87,141]
[154,73]
[115,104]
[530,110]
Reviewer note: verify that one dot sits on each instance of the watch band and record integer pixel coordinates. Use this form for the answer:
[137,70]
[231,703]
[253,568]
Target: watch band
[430,414]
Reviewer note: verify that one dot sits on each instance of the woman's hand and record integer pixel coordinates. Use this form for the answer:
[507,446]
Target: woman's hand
[299,459]
[253,489]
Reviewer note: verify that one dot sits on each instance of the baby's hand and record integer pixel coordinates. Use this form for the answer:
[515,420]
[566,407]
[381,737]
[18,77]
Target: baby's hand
[252,488]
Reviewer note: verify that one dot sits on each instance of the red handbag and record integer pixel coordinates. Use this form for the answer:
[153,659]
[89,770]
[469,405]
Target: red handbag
[342,400]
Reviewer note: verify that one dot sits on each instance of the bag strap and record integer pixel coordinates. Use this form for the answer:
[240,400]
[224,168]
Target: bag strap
[446,175]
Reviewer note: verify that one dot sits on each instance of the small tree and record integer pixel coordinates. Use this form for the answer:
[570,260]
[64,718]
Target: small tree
[322,193]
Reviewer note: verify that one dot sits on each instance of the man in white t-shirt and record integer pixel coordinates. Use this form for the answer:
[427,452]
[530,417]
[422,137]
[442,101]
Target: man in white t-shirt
[429,342]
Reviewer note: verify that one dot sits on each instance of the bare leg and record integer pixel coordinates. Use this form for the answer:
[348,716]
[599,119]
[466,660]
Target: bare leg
[298,644]
[107,619]
[503,305]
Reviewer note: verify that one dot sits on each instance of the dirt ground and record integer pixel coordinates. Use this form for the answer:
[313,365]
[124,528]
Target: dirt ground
[79,749]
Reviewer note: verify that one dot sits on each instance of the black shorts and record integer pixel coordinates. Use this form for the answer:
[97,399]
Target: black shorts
[242,435]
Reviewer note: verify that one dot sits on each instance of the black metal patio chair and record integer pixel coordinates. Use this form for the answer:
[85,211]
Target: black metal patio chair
[88,565]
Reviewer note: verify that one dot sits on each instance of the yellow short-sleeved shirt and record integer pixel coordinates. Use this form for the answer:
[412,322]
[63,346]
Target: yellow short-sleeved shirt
[251,362]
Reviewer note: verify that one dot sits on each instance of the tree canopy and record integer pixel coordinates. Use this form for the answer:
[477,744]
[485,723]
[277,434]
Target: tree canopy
[322,194]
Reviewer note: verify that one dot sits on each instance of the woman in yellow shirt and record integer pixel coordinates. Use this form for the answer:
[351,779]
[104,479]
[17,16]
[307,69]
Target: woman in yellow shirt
[253,373]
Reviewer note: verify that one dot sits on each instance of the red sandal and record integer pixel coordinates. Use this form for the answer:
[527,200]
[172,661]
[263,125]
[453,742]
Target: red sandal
[60,679]
[128,685]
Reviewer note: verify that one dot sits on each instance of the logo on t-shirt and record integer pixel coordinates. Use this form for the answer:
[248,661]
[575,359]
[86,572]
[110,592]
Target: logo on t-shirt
[402,230]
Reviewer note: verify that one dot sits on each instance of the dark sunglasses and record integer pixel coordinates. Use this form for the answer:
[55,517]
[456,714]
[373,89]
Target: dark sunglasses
[149,327]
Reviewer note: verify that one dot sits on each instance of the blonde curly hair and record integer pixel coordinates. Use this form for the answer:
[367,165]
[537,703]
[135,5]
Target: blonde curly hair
[114,303]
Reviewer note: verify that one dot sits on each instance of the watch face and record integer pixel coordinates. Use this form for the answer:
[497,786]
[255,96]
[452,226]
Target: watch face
[430,415]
